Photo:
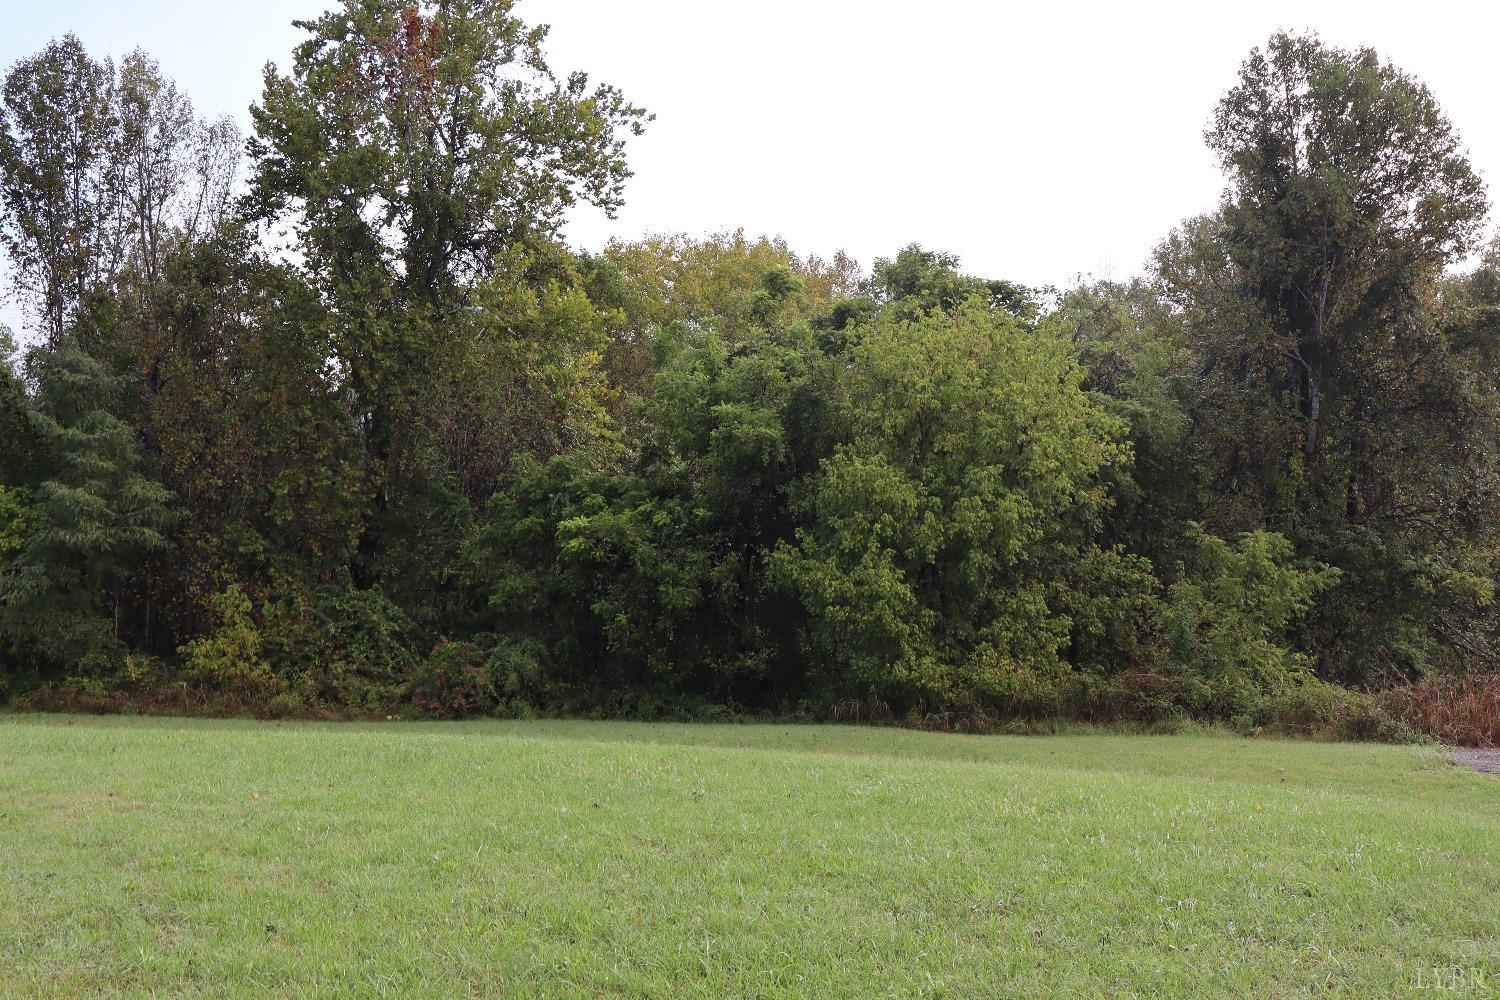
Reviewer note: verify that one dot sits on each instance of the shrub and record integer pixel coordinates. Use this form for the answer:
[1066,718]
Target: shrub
[232,657]
[520,679]
[1229,617]
[1462,709]
[1137,696]
[452,682]
[141,672]
[1313,707]
[341,646]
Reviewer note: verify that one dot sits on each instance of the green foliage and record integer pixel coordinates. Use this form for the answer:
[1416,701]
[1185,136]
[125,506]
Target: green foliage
[101,172]
[18,438]
[243,421]
[232,656]
[17,515]
[928,280]
[1137,366]
[56,126]
[453,682]
[647,575]
[1229,618]
[1112,598]
[729,280]
[340,646]
[931,540]
[446,115]
[1334,405]
[90,517]
[1313,707]
[427,155]
[434,462]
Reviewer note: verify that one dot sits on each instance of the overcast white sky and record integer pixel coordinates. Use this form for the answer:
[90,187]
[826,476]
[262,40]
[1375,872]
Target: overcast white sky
[1037,140]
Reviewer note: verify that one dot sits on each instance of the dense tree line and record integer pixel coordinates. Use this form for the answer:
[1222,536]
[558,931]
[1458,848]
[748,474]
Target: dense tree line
[331,418]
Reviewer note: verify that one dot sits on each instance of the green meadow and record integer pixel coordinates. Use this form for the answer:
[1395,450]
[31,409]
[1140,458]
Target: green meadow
[153,857]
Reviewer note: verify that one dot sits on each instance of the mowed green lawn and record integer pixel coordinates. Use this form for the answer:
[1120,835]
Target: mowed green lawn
[165,857]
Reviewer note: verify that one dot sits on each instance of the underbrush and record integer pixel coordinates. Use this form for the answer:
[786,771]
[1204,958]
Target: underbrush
[179,699]
[1462,709]
[456,682]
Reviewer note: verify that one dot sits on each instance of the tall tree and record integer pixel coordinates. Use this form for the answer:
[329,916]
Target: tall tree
[1328,390]
[176,173]
[426,137]
[1349,192]
[58,128]
[414,145]
[102,171]
[93,515]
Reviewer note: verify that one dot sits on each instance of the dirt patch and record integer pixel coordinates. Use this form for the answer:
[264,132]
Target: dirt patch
[1483,761]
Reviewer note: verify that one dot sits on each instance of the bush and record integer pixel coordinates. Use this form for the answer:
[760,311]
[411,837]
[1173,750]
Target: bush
[1461,709]
[519,676]
[232,657]
[1229,618]
[453,682]
[1136,696]
[342,647]
[1313,707]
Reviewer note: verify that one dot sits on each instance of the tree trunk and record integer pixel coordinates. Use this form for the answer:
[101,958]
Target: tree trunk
[1314,413]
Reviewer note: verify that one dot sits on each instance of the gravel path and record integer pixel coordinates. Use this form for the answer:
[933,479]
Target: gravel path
[1483,761]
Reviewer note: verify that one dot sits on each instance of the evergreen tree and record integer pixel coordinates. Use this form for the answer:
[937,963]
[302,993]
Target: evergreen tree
[91,515]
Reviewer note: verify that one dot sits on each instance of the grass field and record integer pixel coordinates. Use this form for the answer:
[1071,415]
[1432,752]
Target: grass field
[165,857]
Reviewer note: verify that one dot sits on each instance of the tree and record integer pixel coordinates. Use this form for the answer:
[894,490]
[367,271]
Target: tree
[239,416]
[176,173]
[92,515]
[1230,618]
[646,579]
[425,138]
[1349,192]
[98,171]
[934,544]
[728,280]
[1328,390]
[58,126]
[417,147]
[926,279]
[17,437]
[1138,366]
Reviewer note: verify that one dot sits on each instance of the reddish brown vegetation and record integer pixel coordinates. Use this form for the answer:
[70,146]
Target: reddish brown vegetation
[1463,710]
